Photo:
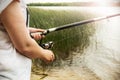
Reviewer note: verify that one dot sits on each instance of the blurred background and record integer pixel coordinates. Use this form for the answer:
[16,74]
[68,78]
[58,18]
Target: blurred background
[87,52]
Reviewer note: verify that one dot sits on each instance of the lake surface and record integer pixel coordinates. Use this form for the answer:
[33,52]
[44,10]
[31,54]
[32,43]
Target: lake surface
[101,59]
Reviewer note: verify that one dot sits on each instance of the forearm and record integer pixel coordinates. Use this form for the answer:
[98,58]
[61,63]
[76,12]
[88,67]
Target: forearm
[30,49]
[33,50]
[14,24]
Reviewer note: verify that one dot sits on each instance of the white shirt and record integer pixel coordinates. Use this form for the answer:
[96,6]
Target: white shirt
[13,65]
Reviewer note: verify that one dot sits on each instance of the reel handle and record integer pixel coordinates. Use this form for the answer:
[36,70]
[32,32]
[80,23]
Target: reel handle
[44,45]
[47,45]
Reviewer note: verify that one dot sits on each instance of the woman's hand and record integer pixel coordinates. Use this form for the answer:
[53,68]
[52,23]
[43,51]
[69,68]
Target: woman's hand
[35,33]
[48,56]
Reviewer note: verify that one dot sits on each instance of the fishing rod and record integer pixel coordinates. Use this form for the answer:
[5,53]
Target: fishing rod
[75,24]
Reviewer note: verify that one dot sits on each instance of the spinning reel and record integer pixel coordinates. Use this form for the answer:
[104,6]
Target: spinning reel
[47,45]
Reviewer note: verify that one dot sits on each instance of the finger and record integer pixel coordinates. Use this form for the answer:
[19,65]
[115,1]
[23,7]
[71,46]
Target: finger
[39,30]
[36,30]
[52,58]
[42,36]
[38,37]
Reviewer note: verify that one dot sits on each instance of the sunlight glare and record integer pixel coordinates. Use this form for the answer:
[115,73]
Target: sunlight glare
[103,3]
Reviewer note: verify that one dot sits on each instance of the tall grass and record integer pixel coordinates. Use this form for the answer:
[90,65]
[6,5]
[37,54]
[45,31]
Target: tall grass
[100,61]
[65,41]
[74,4]
[47,4]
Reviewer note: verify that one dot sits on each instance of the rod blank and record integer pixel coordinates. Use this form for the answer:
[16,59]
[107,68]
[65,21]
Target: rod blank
[75,24]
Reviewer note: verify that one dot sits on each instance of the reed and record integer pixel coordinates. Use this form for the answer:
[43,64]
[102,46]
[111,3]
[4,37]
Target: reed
[65,41]
[82,54]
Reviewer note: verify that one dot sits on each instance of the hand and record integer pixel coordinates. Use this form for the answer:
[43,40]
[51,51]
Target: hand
[48,56]
[37,36]
[35,33]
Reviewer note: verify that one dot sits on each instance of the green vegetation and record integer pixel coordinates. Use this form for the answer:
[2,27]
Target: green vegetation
[48,4]
[66,41]
[75,4]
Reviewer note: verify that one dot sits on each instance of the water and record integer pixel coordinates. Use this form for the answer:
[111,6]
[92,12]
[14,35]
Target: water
[100,60]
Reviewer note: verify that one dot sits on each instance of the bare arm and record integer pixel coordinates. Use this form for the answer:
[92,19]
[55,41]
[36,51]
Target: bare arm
[14,22]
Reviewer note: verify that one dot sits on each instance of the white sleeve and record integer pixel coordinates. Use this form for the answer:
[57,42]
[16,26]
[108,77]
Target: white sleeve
[4,4]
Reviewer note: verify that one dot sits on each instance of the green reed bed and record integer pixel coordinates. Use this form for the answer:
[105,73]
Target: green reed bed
[48,4]
[66,41]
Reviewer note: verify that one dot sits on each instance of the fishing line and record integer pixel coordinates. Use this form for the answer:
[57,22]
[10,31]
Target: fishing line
[75,24]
